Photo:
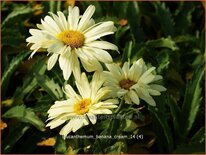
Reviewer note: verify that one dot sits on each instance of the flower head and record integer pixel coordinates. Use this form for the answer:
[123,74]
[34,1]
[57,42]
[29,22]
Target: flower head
[68,39]
[81,108]
[133,82]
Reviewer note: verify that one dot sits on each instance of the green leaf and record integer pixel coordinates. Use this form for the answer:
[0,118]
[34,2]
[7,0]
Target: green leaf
[13,41]
[29,81]
[127,51]
[161,120]
[129,125]
[120,6]
[9,71]
[163,43]
[175,114]
[163,60]
[199,136]
[16,132]
[52,88]
[134,19]
[192,100]
[164,17]
[26,115]
[183,17]
[18,13]
[117,148]
[60,145]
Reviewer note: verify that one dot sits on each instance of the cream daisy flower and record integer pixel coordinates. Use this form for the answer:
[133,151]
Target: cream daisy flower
[68,39]
[78,110]
[133,82]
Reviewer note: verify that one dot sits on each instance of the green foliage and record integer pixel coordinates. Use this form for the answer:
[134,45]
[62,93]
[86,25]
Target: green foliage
[134,19]
[18,13]
[13,136]
[10,70]
[49,86]
[24,114]
[60,146]
[192,101]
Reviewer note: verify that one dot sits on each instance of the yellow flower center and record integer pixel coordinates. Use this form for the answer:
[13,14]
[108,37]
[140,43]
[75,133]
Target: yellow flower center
[126,83]
[74,39]
[82,106]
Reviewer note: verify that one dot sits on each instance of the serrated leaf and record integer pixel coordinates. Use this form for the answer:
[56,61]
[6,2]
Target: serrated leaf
[10,70]
[52,88]
[129,125]
[175,114]
[183,18]
[163,42]
[60,145]
[17,13]
[163,60]
[13,136]
[199,136]
[192,100]
[134,19]
[161,120]
[26,115]
[164,17]
[29,81]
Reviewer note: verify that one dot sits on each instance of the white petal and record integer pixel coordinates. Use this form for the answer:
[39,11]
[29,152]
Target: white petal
[52,61]
[157,87]
[83,86]
[101,30]
[111,101]
[55,123]
[91,65]
[157,78]
[73,17]
[102,45]
[102,111]
[60,110]
[101,93]
[145,74]
[134,97]
[127,99]
[148,79]
[62,20]
[67,129]
[56,47]
[96,83]
[86,17]
[121,92]
[125,70]
[147,98]
[77,124]
[154,92]
[92,118]
[135,71]
[99,54]
[52,24]
[65,63]
[69,91]
[115,70]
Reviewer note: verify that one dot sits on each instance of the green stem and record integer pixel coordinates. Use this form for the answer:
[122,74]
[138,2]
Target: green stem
[59,5]
[120,106]
[51,5]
